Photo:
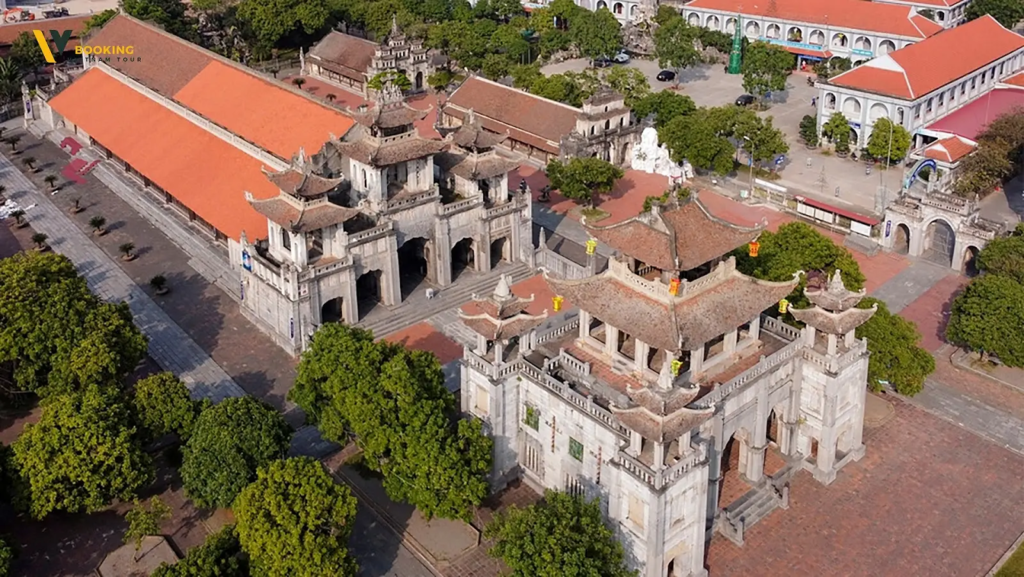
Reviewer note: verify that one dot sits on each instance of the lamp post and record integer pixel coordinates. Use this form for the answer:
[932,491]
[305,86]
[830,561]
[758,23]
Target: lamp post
[750,153]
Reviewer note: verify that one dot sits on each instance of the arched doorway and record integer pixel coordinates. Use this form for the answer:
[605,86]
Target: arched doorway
[369,291]
[418,84]
[732,486]
[901,242]
[413,264]
[499,251]
[463,257]
[331,312]
[939,242]
[970,267]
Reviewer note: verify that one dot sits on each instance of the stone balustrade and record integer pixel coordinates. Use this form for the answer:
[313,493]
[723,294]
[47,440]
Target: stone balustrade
[411,199]
[370,234]
[765,365]
[459,206]
[779,328]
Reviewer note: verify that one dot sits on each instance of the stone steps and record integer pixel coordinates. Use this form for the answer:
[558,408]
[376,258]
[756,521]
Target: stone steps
[410,313]
[746,511]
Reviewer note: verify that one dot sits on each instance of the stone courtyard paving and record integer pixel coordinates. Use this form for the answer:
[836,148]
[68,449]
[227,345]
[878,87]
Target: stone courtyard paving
[931,310]
[927,499]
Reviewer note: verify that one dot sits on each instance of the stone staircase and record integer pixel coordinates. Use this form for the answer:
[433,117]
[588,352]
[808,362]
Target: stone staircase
[770,494]
[418,308]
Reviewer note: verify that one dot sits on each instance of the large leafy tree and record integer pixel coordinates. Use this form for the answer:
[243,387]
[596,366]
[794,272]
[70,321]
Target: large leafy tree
[272,20]
[83,453]
[1004,256]
[25,52]
[171,15]
[163,405]
[665,105]
[759,137]
[984,169]
[394,402]
[895,355]
[295,521]
[596,34]
[694,138]
[10,80]
[888,141]
[562,535]
[765,68]
[674,45]
[98,20]
[231,440]
[56,335]
[1006,12]
[986,317]
[583,179]
[219,556]
[6,558]
[837,129]
[631,83]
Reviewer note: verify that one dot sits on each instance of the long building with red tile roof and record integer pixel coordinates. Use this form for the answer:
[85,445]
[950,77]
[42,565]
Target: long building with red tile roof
[926,81]
[817,29]
[9,33]
[947,13]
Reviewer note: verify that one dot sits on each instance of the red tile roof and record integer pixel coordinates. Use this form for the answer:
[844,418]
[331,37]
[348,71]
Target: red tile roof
[921,68]
[1015,80]
[200,170]
[499,108]
[267,114]
[350,55]
[970,120]
[950,149]
[10,32]
[834,14]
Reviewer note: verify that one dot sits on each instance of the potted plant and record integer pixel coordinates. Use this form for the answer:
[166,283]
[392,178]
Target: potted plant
[159,284]
[97,223]
[30,163]
[51,181]
[809,131]
[76,205]
[13,142]
[298,82]
[127,251]
[40,241]
[842,138]
[19,218]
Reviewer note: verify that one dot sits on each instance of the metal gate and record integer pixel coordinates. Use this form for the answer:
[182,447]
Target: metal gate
[940,241]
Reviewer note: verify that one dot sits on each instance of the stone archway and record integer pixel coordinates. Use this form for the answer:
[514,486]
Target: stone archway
[413,264]
[901,239]
[732,482]
[463,257]
[332,311]
[418,83]
[939,242]
[369,291]
[500,251]
[970,265]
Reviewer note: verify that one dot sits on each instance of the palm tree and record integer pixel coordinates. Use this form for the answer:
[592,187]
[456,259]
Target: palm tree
[274,71]
[159,284]
[97,223]
[330,97]
[126,251]
[40,240]
[19,216]
[51,180]
[298,82]
[76,205]
[13,141]
[30,162]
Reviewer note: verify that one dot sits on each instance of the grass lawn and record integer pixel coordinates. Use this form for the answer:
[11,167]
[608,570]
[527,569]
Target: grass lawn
[1014,566]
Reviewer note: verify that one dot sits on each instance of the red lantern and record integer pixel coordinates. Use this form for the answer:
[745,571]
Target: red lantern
[754,247]
[673,287]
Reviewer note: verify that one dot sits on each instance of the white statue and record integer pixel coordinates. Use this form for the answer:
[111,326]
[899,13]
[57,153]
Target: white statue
[652,158]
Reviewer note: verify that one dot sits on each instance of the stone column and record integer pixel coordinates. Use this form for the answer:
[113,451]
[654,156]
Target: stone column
[392,288]
[754,469]
[443,253]
[755,328]
[697,360]
[584,324]
[481,345]
[715,449]
[611,339]
[636,443]
[729,343]
[850,339]
[350,300]
[640,352]
[825,471]
[833,344]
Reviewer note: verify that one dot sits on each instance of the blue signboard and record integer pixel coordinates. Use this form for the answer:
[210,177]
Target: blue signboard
[860,52]
[888,228]
[791,44]
[246,261]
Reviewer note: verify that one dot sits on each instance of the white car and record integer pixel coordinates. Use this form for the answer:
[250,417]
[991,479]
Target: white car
[621,58]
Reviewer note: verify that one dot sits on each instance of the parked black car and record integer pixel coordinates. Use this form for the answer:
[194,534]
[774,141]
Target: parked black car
[666,75]
[602,62]
[745,100]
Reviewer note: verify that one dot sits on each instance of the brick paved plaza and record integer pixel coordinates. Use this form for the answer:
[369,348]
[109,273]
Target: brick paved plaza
[928,499]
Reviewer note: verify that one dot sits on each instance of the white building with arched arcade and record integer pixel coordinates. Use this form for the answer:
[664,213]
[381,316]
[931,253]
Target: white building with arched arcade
[923,82]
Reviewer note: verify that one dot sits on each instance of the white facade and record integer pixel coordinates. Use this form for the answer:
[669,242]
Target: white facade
[947,14]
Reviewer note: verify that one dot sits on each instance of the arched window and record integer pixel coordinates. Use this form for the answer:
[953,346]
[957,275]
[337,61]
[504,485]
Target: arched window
[816,37]
[774,32]
[286,240]
[618,8]
[607,124]
[365,186]
[839,40]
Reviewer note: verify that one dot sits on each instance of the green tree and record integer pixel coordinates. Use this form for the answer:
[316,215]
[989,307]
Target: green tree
[231,440]
[1004,256]
[496,66]
[10,80]
[524,75]
[82,454]
[674,46]
[583,179]
[1006,12]
[888,141]
[809,130]
[55,333]
[562,535]
[508,42]
[219,556]
[896,357]
[558,87]
[97,20]
[272,20]
[504,10]
[984,169]
[171,15]
[665,105]
[986,318]
[833,66]
[295,521]
[596,34]
[163,405]
[665,15]
[394,403]
[389,76]
[760,138]
[837,129]
[7,555]
[797,246]
[631,83]
[765,68]
[693,138]
[25,52]
[144,520]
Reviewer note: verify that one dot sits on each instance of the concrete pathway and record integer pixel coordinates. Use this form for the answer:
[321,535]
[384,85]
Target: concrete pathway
[169,345]
[910,284]
[975,416]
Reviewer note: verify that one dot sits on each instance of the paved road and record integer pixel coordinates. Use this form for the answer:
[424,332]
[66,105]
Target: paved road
[910,283]
[986,421]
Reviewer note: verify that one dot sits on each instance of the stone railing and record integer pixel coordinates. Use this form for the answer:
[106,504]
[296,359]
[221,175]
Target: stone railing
[459,206]
[558,266]
[571,324]
[477,362]
[635,468]
[765,365]
[665,477]
[252,149]
[412,198]
[834,364]
[655,289]
[370,234]
[572,363]
[677,470]
[779,328]
[905,209]
[316,270]
[502,210]
[586,404]
[977,232]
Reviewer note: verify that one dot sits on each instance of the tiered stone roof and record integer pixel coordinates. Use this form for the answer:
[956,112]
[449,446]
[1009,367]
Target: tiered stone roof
[502,315]
[368,144]
[300,181]
[660,414]
[472,155]
[678,236]
[834,311]
[700,311]
[302,204]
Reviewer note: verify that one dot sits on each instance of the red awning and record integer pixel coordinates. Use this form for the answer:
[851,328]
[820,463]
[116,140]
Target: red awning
[868,220]
[808,52]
